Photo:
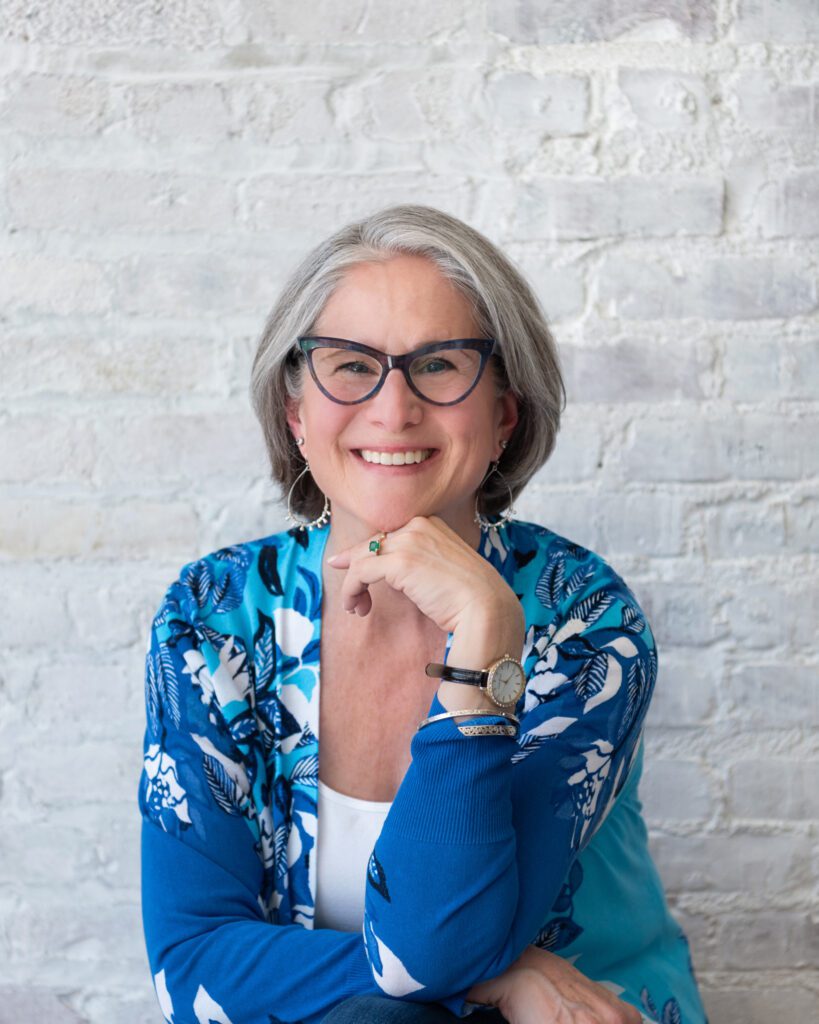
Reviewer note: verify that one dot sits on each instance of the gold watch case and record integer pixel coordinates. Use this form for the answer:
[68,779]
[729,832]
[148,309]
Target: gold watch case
[506,681]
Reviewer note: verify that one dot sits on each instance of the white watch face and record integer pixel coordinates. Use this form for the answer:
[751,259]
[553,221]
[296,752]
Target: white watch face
[506,680]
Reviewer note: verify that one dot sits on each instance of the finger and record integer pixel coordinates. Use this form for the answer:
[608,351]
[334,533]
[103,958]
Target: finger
[363,605]
[355,597]
[340,560]
[363,571]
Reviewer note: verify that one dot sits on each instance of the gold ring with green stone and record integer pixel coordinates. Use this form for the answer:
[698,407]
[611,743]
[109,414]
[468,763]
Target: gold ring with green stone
[375,545]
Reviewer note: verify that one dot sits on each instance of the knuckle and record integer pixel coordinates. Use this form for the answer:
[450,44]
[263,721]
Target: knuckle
[402,560]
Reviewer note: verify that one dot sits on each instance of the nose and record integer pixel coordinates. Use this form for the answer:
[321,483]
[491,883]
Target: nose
[396,406]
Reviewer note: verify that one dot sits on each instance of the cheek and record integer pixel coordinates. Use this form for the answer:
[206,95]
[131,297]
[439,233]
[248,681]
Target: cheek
[324,424]
[476,428]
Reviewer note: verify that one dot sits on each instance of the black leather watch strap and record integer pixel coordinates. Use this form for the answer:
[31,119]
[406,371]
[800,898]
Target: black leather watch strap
[457,675]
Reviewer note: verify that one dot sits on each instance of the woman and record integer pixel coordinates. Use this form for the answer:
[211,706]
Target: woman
[483,685]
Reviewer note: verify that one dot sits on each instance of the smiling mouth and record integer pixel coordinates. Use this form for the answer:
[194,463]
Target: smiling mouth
[406,458]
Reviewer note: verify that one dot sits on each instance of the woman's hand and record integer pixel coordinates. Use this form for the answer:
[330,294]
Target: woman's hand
[542,988]
[439,572]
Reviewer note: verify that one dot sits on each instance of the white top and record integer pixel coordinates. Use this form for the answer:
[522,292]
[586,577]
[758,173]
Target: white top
[347,831]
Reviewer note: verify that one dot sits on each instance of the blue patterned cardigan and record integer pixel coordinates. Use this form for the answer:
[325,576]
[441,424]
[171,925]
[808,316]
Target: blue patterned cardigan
[492,843]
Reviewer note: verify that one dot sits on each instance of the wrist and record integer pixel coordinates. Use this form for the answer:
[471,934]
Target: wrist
[508,991]
[497,690]
[455,696]
[479,641]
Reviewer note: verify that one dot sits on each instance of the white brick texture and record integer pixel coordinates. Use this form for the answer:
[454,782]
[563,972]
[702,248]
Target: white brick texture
[652,168]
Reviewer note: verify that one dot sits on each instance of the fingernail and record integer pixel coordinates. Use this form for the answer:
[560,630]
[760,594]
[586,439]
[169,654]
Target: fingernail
[332,559]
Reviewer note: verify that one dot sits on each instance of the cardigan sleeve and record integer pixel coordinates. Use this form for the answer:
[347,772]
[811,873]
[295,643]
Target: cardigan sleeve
[484,830]
[216,954]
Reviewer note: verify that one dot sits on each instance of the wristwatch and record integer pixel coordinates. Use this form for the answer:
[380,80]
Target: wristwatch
[503,682]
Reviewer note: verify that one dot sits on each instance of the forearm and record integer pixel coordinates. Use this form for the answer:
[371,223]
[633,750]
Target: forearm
[447,848]
[448,882]
[206,941]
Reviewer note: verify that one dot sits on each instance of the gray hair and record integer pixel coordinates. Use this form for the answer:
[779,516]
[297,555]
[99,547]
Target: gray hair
[505,308]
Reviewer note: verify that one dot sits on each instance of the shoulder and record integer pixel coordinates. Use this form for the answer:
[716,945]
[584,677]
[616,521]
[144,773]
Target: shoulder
[589,652]
[240,616]
[230,624]
[556,575]
[225,588]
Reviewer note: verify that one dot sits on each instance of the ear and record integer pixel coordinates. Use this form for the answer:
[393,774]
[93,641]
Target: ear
[507,415]
[294,418]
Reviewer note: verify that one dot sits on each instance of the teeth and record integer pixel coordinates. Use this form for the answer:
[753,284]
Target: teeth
[395,458]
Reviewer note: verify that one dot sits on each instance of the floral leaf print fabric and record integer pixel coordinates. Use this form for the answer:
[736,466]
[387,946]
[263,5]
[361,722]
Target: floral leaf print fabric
[489,845]
[561,931]
[220,828]
[164,795]
[670,1012]
[576,699]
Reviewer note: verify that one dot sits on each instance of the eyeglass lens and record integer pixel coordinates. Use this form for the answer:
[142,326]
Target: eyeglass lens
[442,376]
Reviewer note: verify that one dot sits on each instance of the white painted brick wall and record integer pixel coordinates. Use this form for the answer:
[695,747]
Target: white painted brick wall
[651,166]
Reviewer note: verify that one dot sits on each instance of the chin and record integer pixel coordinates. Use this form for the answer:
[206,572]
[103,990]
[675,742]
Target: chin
[394,519]
[389,516]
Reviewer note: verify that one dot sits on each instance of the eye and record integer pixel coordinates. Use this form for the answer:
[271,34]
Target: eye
[435,364]
[354,368]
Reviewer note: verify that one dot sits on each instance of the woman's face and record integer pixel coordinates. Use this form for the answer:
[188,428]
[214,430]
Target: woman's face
[397,306]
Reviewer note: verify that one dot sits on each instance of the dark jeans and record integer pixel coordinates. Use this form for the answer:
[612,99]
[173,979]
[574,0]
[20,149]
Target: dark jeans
[383,1010]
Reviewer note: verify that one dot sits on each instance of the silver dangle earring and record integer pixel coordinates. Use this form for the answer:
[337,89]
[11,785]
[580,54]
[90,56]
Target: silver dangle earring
[305,524]
[508,514]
